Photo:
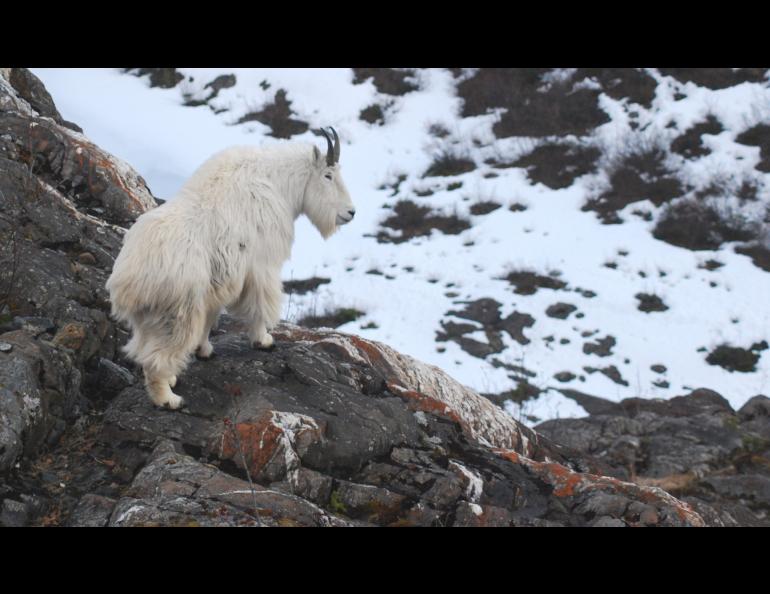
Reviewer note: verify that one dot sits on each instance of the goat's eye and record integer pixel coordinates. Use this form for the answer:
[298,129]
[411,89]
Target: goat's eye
[328,175]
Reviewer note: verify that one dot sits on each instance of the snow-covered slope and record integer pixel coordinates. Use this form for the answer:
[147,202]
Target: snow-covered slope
[416,294]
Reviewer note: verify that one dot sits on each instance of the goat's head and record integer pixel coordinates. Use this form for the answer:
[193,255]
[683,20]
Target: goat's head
[327,202]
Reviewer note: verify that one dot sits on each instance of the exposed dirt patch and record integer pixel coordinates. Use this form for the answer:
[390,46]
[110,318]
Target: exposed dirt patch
[533,107]
[726,186]
[447,164]
[395,185]
[486,313]
[483,208]
[715,78]
[633,84]
[277,116]
[301,287]
[564,376]
[412,220]
[390,81]
[711,265]
[759,255]
[559,165]
[649,303]
[224,81]
[690,144]
[640,175]
[698,226]
[736,358]
[560,311]
[759,136]
[514,325]
[601,347]
[165,78]
[373,114]
[611,372]
[524,391]
[527,282]
[438,130]
[331,319]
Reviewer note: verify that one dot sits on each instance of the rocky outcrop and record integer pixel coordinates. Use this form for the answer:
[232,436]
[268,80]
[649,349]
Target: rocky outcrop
[60,196]
[326,429]
[53,155]
[364,434]
[695,447]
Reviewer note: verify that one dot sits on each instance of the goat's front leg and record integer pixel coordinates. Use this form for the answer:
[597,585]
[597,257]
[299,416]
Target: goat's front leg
[268,310]
[204,349]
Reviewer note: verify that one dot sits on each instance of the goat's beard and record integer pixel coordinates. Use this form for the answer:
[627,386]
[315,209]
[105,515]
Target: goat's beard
[323,220]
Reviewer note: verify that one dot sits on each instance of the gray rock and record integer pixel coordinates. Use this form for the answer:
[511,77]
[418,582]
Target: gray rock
[176,490]
[92,511]
[604,504]
[14,514]
[38,389]
[113,378]
[31,89]
[608,522]
[694,444]
[474,515]
[758,406]
[369,503]
[34,325]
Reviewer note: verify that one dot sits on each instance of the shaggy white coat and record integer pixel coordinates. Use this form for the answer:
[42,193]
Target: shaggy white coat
[220,243]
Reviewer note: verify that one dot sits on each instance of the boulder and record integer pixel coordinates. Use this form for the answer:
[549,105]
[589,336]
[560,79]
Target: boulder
[694,446]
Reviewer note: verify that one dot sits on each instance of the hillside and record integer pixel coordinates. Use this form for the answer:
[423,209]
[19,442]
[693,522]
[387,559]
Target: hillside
[532,232]
[330,428]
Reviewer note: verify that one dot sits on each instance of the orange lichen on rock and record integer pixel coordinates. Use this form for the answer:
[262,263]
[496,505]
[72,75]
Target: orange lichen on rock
[71,336]
[257,440]
[420,402]
[568,483]
[371,354]
[271,445]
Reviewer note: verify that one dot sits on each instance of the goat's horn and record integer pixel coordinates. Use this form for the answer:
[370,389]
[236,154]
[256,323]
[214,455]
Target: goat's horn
[336,145]
[330,148]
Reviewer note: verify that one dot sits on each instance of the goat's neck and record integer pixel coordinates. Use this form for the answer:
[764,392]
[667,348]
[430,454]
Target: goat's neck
[292,182]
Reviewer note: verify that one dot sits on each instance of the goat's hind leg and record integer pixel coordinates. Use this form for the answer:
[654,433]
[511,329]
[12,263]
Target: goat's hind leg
[158,384]
[143,348]
[164,352]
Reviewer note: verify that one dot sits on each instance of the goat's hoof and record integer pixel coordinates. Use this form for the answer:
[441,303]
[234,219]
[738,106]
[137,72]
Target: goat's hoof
[266,343]
[174,402]
[205,352]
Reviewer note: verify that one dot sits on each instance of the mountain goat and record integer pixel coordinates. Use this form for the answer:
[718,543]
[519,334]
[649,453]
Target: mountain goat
[220,243]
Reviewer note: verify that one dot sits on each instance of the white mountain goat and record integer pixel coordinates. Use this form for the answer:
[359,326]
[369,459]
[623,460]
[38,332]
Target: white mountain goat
[220,243]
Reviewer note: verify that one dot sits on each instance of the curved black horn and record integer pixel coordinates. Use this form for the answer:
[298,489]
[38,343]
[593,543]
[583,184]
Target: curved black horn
[336,145]
[330,148]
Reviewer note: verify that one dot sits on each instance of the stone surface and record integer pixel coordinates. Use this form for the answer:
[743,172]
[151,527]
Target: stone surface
[14,514]
[326,429]
[694,446]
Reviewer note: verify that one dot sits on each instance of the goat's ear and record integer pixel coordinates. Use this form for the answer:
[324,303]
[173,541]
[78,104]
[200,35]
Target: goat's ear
[318,159]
